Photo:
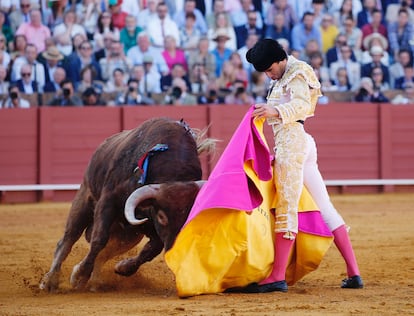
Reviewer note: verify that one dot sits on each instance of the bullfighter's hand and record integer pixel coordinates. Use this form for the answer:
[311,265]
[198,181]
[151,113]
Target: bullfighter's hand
[263,110]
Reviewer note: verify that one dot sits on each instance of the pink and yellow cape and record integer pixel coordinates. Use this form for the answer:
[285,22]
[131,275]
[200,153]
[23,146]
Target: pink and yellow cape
[227,240]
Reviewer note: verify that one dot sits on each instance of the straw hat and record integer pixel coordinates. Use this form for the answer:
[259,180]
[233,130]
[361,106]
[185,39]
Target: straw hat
[367,40]
[52,53]
[221,33]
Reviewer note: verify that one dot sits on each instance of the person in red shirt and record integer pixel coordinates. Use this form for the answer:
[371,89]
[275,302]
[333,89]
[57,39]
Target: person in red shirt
[118,16]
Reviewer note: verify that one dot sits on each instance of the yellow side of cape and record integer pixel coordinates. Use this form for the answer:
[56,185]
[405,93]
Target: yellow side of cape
[225,248]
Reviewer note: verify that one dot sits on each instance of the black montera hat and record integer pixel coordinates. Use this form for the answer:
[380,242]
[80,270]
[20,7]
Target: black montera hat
[264,53]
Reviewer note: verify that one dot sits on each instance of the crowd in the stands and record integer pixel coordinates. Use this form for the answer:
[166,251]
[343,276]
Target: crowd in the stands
[189,52]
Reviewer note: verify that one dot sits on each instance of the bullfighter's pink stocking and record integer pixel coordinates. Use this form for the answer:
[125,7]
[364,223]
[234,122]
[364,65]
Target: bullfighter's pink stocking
[343,243]
[282,251]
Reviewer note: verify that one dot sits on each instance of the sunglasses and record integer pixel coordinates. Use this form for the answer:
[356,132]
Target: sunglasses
[25,5]
[27,74]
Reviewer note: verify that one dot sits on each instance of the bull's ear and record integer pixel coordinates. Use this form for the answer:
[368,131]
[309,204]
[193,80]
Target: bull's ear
[162,218]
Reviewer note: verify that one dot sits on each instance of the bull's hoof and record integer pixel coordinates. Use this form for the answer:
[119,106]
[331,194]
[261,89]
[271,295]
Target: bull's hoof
[77,280]
[49,282]
[126,267]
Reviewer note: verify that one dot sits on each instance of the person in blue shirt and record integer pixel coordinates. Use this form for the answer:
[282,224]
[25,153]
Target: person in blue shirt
[305,31]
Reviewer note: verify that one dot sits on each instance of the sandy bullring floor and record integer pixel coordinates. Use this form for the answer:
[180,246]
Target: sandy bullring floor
[382,233]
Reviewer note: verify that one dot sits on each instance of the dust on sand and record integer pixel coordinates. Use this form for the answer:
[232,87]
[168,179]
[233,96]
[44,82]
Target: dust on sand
[381,231]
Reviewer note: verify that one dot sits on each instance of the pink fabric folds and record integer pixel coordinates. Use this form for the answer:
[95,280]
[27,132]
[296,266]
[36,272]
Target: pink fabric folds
[228,185]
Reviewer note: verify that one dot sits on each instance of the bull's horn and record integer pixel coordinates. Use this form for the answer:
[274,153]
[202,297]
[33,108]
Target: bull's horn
[200,183]
[136,197]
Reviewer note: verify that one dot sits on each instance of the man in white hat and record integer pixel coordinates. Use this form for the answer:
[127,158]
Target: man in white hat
[221,52]
[376,53]
[53,59]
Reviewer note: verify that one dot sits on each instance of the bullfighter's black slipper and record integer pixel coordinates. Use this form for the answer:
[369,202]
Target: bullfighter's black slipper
[278,286]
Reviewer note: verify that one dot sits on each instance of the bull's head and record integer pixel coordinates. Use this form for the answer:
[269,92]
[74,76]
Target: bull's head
[171,203]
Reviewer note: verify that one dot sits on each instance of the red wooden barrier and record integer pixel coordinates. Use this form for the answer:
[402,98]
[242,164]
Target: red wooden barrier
[54,145]
[18,151]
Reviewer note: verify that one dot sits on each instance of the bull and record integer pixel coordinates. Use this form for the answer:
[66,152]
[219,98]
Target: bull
[154,172]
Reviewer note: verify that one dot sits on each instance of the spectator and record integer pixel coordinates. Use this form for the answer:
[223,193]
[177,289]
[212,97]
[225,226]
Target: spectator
[35,31]
[87,12]
[282,6]
[322,72]
[178,94]
[14,100]
[404,59]
[318,10]
[132,7]
[329,32]
[19,47]
[305,31]
[117,82]
[161,26]
[190,7]
[66,97]
[226,79]
[375,39]
[401,33]
[105,26]
[107,38]
[199,79]
[37,71]
[258,86]
[222,26]
[53,60]
[118,16]
[5,29]
[90,97]
[218,7]
[250,41]
[79,59]
[365,15]
[240,73]
[136,54]
[25,83]
[20,15]
[190,36]
[311,47]
[53,85]
[203,56]
[221,52]
[5,60]
[54,14]
[346,10]
[240,17]
[149,80]
[334,54]
[88,78]
[116,59]
[407,80]
[378,80]
[178,71]
[64,32]
[147,14]
[353,35]
[366,93]
[353,69]
[211,96]
[376,54]
[278,29]
[239,95]
[4,84]
[392,11]
[172,54]
[132,96]
[243,31]
[375,26]
[128,35]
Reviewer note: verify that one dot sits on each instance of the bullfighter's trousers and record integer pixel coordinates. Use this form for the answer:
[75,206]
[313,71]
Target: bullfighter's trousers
[296,165]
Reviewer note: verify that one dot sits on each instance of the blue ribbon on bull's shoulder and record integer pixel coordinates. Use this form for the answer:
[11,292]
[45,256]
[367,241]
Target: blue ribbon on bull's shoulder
[142,164]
